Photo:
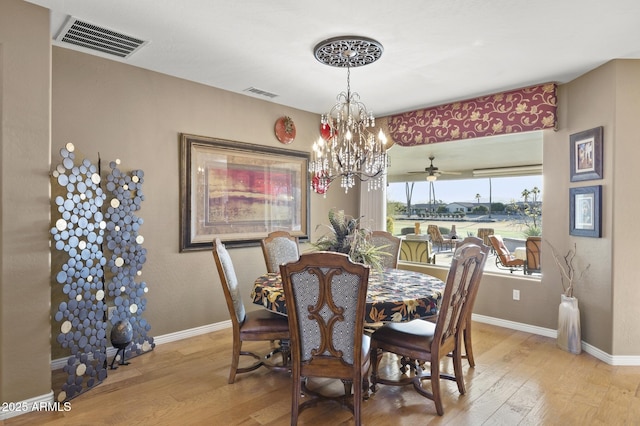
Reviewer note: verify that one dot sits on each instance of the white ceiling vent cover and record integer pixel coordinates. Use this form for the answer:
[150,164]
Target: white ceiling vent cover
[93,37]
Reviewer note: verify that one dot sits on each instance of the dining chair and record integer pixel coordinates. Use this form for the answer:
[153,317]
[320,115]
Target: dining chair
[504,259]
[429,342]
[437,238]
[532,248]
[279,247]
[249,326]
[326,296]
[466,331]
[417,251]
[389,246]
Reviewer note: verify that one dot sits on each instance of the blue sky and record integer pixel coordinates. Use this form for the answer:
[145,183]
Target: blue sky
[503,190]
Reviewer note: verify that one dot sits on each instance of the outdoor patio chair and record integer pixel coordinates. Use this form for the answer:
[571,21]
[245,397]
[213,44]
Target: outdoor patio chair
[532,246]
[483,234]
[437,238]
[504,259]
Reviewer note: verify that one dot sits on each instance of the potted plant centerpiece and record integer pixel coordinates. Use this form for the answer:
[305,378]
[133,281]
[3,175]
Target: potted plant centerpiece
[569,336]
[346,236]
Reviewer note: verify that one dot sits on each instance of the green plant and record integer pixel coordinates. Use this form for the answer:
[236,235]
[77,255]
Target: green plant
[390,223]
[346,236]
[532,231]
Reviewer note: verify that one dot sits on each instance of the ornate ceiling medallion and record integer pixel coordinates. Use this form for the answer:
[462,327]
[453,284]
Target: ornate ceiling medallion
[348,51]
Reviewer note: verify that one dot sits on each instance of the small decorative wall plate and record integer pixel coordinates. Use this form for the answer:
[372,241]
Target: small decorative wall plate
[285,130]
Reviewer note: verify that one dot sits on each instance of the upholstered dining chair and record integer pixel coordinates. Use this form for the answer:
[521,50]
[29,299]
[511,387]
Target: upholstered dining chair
[326,297]
[279,247]
[389,245]
[249,326]
[437,238]
[532,249]
[466,331]
[429,342]
[504,258]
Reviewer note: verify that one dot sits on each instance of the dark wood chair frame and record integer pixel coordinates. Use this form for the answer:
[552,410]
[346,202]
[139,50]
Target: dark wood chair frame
[325,360]
[254,326]
[440,339]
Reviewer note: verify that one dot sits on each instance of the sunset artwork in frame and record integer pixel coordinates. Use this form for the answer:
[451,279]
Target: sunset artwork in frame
[240,192]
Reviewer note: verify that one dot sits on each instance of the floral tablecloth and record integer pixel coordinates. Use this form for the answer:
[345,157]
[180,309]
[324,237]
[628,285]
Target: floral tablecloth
[393,295]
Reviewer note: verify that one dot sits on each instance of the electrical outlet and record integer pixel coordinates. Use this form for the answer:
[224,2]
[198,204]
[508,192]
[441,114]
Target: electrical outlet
[110,311]
[516,294]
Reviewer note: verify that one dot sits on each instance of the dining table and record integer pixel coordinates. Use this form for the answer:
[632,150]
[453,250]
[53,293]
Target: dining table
[393,295]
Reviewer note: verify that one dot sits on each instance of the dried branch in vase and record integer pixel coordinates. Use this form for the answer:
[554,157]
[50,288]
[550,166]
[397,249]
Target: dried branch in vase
[568,269]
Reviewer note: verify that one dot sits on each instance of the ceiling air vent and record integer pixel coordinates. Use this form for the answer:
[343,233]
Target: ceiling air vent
[93,37]
[260,92]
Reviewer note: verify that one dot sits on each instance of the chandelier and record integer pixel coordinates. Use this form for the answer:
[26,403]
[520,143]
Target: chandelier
[347,149]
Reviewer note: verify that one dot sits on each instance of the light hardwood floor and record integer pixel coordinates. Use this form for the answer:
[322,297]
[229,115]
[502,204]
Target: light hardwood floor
[519,379]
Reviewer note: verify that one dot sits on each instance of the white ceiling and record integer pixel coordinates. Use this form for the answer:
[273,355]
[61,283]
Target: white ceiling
[434,51]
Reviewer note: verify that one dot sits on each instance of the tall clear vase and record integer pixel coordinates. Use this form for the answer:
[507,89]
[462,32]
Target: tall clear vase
[569,338]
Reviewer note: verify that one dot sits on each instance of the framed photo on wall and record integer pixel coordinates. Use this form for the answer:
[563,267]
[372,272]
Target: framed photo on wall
[586,155]
[584,206]
[240,192]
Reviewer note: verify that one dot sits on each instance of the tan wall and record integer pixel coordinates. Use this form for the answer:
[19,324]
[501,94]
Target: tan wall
[135,115]
[626,205]
[25,60]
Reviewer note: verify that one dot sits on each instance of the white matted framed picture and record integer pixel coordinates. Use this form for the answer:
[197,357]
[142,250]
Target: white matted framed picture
[585,204]
[586,155]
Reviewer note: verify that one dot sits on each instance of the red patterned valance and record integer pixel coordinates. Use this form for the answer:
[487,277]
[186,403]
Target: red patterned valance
[522,110]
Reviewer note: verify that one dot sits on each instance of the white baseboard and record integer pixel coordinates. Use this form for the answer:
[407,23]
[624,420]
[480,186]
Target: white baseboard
[547,332]
[57,364]
[37,403]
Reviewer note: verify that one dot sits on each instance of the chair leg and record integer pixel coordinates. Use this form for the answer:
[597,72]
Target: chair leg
[295,399]
[375,359]
[357,402]
[235,360]
[457,368]
[435,386]
[467,344]
[348,384]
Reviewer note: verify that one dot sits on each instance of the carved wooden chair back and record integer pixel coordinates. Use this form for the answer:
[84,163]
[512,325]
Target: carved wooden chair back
[326,298]
[428,342]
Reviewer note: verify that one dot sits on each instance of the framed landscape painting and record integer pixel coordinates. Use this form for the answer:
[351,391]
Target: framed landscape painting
[584,207]
[240,192]
[586,155]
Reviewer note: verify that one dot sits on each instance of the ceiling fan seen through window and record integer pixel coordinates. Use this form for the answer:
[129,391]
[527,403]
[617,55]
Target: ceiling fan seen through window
[433,172]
